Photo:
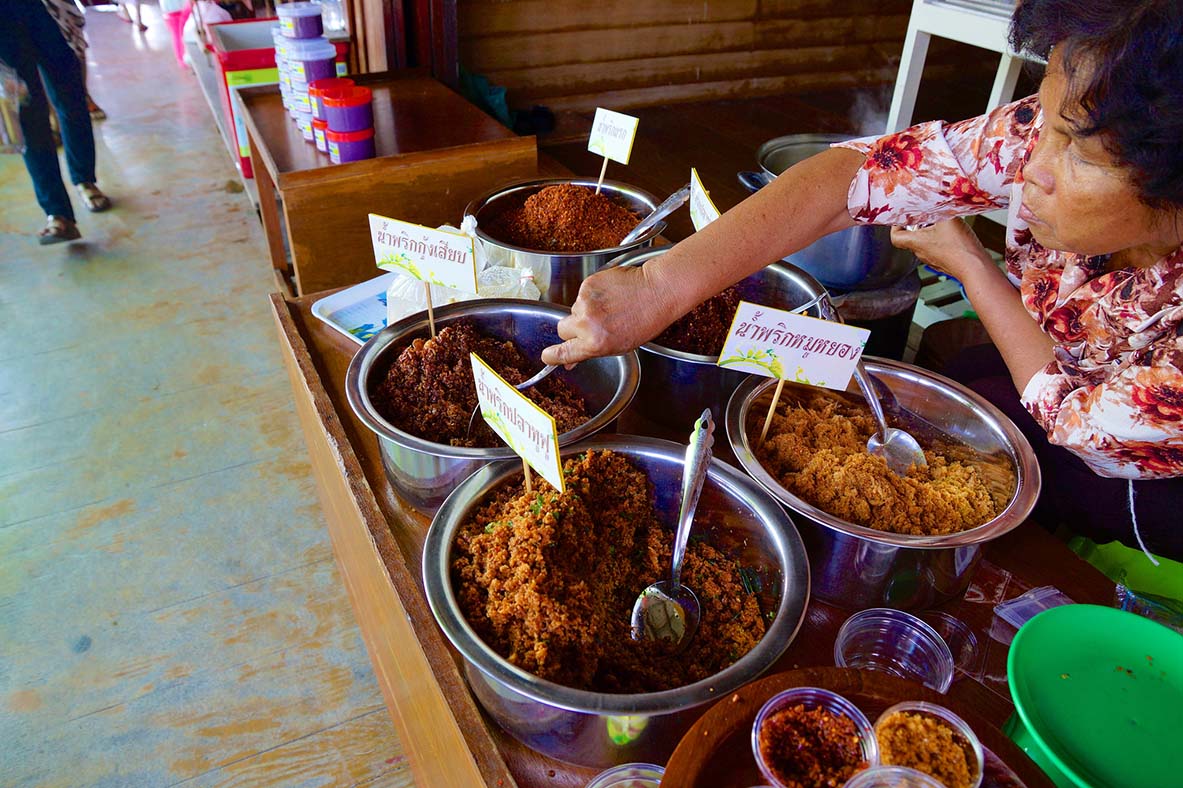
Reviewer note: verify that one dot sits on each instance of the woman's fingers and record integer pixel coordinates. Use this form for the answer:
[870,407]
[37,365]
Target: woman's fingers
[612,315]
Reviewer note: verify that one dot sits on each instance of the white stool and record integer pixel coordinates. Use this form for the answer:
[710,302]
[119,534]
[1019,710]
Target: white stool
[982,23]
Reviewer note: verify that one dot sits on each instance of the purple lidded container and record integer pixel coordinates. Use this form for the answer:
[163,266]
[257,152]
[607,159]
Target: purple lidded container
[317,88]
[311,60]
[349,109]
[300,20]
[345,146]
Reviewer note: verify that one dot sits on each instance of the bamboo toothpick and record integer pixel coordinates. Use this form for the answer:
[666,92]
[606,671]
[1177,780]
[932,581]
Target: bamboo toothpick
[603,170]
[780,384]
[430,311]
[529,480]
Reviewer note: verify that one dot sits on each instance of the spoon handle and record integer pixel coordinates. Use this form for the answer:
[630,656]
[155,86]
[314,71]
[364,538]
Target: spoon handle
[672,203]
[694,473]
[538,376]
[863,378]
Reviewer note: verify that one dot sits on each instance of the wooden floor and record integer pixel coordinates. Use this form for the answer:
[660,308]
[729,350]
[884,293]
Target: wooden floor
[170,610]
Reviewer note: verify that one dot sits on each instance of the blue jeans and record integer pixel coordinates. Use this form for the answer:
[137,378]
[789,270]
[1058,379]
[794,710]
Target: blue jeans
[32,44]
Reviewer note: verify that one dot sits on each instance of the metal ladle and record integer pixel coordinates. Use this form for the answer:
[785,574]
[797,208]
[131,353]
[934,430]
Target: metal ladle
[525,384]
[668,610]
[671,204]
[897,448]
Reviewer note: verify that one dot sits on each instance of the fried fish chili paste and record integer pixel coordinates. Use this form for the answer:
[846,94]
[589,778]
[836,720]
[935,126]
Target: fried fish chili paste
[811,748]
[548,581]
[926,744]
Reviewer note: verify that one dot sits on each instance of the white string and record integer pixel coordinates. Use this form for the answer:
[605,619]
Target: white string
[1134,517]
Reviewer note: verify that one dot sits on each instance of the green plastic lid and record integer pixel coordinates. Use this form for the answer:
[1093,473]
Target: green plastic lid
[1101,691]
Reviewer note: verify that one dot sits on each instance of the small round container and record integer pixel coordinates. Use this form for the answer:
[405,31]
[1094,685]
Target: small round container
[346,146]
[311,60]
[629,775]
[299,97]
[968,740]
[812,698]
[895,642]
[304,123]
[892,777]
[319,127]
[316,88]
[961,640]
[349,109]
[300,20]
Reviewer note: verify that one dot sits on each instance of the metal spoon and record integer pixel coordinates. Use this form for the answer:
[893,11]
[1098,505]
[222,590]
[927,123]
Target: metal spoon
[525,384]
[668,610]
[671,204]
[899,449]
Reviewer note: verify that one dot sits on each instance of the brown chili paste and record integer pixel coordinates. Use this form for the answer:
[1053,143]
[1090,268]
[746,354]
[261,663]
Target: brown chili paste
[810,748]
[564,218]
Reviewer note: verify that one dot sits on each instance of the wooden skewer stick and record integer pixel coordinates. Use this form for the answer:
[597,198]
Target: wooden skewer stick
[529,480]
[780,384]
[603,170]
[430,311]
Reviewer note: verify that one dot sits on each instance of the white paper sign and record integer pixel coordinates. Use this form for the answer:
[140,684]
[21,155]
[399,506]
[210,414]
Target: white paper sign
[528,429]
[436,256]
[612,135]
[702,210]
[780,344]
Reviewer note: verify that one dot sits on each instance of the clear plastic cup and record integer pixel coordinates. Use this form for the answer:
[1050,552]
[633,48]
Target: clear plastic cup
[968,740]
[892,777]
[961,640]
[895,642]
[629,775]
[812,698]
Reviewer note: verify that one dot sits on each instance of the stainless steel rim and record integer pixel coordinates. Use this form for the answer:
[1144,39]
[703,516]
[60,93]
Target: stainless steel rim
[1022,458]
[364,359]
[438,587]
[792,141]
[532,186]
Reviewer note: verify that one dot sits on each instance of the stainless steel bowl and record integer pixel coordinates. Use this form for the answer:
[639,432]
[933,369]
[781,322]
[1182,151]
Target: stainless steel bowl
[600,729]
[857,567]
[676,386]
[559,275]
[424,473]
[857,258]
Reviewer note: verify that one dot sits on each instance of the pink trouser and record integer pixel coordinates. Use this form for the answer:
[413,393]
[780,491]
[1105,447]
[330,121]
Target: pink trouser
[176,23]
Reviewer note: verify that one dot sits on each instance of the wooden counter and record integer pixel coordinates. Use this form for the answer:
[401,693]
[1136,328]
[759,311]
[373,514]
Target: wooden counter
[378,544]
[435,151]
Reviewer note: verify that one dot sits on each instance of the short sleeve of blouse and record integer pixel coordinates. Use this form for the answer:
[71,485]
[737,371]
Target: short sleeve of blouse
[939,170]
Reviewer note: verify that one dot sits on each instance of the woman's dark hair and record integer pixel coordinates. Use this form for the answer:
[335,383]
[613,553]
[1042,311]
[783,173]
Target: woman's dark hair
[1123,60]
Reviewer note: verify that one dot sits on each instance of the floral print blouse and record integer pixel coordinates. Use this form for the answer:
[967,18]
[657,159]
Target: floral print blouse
[1114,393]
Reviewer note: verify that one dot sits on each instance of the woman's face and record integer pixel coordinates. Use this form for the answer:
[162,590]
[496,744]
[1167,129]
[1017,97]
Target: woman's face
[1077,198]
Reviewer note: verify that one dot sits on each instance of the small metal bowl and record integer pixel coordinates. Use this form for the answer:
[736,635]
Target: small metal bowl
[675,385]
[857,567]
[423,472]
[558,274]
[602,729]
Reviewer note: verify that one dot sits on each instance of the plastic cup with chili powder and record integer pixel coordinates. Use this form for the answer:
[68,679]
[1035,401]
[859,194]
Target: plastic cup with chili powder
[892,777]
[910,734]
[840,739]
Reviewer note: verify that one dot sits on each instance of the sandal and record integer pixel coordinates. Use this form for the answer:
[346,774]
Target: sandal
[58,229]
[96,112]
[95,200]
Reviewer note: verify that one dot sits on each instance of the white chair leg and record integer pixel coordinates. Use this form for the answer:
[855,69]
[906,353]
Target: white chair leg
[907,83]
[1004,81]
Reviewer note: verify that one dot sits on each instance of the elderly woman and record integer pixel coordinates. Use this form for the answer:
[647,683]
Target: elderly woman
[1088,316]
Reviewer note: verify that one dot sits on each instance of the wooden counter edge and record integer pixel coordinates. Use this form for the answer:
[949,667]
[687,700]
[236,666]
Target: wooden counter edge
[447,743]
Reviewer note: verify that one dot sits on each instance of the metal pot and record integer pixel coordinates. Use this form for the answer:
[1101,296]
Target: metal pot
[857,258]
[559,275]
[600,729]
[424,473]
[857,567]
[676,386]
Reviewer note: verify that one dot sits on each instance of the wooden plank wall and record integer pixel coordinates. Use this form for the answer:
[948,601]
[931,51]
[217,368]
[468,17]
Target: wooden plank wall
[574,54]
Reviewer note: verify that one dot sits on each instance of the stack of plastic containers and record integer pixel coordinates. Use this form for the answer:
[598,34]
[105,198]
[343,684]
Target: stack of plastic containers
[349,115]
[319,119]
[302,56]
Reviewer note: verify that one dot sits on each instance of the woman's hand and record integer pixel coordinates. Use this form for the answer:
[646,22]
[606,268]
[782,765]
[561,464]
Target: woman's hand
[617,310]
[949,246]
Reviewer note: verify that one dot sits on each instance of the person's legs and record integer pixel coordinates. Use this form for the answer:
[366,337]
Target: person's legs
[62,74]
[41,159]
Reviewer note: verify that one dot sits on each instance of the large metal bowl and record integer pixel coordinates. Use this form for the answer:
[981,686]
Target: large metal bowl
[857,567]
[559,275]
[857,258]
[599,729]
[423,472]
[676,386]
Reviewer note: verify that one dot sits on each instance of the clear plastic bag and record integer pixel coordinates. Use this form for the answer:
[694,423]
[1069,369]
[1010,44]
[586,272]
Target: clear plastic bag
[12,93]
[496,278]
